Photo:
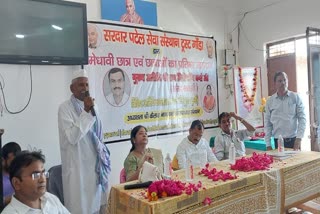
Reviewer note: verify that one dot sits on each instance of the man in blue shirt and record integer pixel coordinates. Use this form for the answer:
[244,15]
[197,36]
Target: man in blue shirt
[284,115]
[227,136]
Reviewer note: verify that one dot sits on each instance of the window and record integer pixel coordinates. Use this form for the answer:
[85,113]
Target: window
[314,40]
[281,48]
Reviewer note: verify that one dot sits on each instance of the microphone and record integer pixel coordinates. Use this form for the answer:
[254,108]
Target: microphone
[138,186]
[93,112]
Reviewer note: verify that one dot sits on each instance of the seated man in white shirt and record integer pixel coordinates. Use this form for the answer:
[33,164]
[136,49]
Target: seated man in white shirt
[194,147]
[28,178]
[227,136]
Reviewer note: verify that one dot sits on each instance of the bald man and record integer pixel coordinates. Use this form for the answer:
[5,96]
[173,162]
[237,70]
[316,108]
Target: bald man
[210,48]
[92,36]
[131,15]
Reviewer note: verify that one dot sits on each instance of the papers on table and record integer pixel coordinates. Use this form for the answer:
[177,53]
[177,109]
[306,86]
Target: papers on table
[283,155]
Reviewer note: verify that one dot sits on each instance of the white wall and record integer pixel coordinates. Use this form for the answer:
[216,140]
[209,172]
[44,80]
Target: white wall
[286,19]
[37,125]
[280,21]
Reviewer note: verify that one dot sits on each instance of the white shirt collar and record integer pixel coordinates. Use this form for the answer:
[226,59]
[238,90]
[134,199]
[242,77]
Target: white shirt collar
[23,208]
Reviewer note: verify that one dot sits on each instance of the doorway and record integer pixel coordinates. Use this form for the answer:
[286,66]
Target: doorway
[313,51]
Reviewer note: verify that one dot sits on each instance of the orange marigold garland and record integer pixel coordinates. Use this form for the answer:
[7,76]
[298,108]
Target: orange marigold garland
[248,101]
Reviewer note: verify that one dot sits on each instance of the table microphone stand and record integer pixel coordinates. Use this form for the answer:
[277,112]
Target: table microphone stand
[1,178]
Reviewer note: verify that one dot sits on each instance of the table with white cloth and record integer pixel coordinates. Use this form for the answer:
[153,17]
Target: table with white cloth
[289,182]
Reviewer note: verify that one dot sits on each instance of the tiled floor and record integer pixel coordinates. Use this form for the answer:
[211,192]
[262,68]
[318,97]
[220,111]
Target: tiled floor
[311,206]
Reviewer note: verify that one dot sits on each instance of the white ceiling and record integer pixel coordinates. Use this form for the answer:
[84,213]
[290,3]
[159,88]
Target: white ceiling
[235,6]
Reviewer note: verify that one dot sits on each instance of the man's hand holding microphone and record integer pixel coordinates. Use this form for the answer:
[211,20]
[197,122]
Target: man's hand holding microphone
[89,103]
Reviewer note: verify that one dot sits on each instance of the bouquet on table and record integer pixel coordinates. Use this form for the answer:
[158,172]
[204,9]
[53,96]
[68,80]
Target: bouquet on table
[216,175]
[254,163]
[165,188]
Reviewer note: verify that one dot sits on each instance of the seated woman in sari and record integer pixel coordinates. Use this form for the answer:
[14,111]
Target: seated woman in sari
[139,153]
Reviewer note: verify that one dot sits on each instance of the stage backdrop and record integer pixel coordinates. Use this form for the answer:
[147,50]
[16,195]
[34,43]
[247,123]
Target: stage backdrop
[169,80]
[247,86]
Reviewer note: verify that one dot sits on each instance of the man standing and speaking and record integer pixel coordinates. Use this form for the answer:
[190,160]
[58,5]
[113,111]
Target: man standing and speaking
[118,97]
[85,158]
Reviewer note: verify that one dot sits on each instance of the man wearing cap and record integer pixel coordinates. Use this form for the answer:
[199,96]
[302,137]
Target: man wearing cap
[85,159]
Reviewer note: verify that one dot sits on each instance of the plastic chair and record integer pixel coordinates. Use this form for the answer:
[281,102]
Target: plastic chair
[54,184]
[123,177]
[212,143]
[174,163]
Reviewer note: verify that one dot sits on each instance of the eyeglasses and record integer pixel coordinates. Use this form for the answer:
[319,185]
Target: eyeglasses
[37,175]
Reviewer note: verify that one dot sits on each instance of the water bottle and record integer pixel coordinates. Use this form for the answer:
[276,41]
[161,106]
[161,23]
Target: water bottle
[189,171]
[232,154]
[167,166]
[280,144]
[202,157]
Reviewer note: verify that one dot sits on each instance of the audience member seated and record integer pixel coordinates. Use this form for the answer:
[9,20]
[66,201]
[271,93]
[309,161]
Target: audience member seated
[28,178]
[54,185]
[9,152]
[139,153]
[194,146]
[227,136]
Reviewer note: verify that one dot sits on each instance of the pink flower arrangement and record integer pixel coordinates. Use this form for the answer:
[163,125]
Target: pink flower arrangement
[207,201]
[165,188]
[260,134]
[254,163]
[216,175]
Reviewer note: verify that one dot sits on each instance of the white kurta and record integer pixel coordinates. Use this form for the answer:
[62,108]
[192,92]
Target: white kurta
[82,194]
[50,204]
[187,150]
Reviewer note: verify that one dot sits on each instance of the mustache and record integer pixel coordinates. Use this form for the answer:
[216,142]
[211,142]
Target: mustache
[83,94]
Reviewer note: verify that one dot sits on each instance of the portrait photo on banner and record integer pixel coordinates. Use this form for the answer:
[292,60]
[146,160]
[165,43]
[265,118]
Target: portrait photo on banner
[208,98]
[130,11]
[94,36]
[116,87]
